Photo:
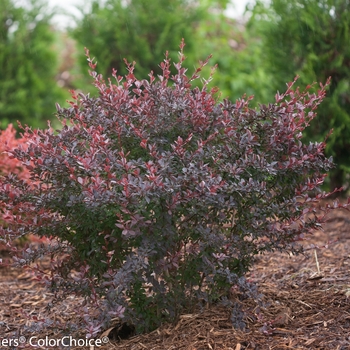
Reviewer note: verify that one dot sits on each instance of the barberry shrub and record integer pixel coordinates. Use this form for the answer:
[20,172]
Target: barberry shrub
[158,196]
[10,140]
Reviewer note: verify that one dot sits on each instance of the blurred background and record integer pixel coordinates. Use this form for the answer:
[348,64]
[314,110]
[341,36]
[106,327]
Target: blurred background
[258,46]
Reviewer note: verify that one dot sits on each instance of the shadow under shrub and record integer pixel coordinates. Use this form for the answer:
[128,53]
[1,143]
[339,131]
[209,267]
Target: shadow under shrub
[158,197]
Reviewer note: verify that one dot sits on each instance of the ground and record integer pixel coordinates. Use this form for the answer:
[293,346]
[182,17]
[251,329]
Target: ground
[305,304]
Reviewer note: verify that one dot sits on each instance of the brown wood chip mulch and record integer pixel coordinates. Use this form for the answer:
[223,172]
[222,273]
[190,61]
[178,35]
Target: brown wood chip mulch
[305,305]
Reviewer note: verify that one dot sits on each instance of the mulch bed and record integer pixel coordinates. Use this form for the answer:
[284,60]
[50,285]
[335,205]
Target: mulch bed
[305,304]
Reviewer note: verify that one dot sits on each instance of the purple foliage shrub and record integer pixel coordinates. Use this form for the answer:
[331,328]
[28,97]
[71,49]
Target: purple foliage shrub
[158,196]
